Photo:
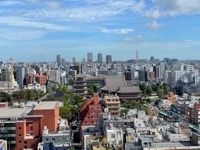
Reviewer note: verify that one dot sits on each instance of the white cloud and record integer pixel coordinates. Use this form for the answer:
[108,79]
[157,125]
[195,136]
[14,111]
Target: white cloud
[22,22]
[165,8]
[154,25]
[138,7]
[128,40]
[154,13]
[116,31]
[136,39]
[175,7]
[10,3]
[87,10]
[20,35]
[53,4]
[188,41]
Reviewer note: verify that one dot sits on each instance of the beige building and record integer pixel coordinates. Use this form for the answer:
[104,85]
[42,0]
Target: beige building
[112,103]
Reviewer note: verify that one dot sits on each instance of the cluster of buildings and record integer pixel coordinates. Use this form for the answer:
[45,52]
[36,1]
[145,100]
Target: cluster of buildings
[28,126]
[172,123]
[102,127]
[181,74]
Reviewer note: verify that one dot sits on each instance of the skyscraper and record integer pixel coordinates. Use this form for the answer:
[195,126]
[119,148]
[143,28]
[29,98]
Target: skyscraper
[20,75]
[58,60]
[73,60]
[108,59]
[89,58]
[99,58]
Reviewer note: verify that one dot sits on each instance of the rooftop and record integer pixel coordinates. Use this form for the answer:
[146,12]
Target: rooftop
[113,82]
[129,89]
[14,112]
[46,105]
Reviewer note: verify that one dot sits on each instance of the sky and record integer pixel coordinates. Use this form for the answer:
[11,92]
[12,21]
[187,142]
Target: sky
[38,30]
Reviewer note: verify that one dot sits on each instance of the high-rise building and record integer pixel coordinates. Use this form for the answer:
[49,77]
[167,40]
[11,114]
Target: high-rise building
[58,60]
[54,75]
[89,58]
[100,60]
[73,59]
[63,62]
[20,75]
[5,74]
[108,59]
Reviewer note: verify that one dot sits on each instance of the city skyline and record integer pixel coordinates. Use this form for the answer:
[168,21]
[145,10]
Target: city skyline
[37,30]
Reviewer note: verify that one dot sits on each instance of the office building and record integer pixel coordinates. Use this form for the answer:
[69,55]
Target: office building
[100,59]
[20,75]
[89,58]
[58,60]
[54,75]
[108,59]
[22,126]
[73,60]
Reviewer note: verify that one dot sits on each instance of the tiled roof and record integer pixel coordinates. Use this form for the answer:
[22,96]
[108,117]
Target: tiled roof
[79,76]
[87,103]
[112,83]
[129,89]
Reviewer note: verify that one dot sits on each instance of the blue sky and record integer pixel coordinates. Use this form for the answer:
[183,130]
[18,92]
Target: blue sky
[38,30]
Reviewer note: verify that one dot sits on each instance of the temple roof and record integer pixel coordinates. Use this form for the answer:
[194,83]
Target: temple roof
[129,89]
[112,83]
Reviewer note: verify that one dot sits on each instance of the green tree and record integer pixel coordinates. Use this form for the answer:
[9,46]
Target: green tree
[20,95]
[149,90]
[30,95]
[123,111]
[143,88]
[5,97]
[166,89]
[160,91]
[90,90]
[71,81]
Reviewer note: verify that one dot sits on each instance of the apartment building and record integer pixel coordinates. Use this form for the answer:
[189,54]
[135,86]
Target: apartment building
[112,103]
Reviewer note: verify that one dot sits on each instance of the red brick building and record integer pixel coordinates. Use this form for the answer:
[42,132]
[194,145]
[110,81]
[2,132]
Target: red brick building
[29,79]
[3,104]
[29,130]
[50,112]
[152,75]
[193,114]
[91,111]
[41,78]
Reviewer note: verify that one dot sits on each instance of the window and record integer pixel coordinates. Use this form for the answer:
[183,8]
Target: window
[19,134]
[19,128]
[112,136]
[19,141]
[25,142]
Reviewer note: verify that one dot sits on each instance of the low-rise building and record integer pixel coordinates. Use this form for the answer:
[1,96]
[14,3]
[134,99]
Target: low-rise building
[112,103]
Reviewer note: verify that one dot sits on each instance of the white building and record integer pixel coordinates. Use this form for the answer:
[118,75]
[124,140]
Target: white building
[114,136]
[54,75]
